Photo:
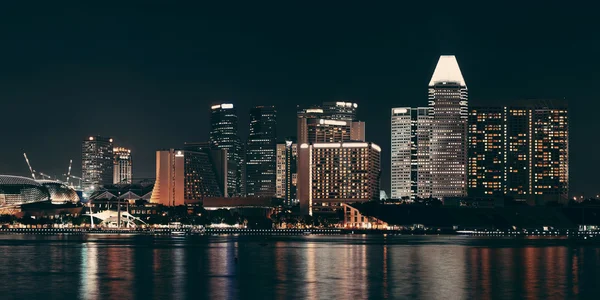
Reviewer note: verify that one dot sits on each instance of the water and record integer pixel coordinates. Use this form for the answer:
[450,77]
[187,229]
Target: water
[295,267]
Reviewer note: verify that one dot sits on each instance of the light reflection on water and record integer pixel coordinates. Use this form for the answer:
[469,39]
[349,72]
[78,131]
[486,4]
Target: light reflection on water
[307,267]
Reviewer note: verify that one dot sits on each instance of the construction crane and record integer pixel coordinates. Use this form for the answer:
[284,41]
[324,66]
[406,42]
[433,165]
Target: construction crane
[69,173]
[78,178]
[29,165]
[45,175]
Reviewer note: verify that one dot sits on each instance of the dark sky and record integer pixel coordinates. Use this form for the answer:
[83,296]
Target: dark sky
[146,73]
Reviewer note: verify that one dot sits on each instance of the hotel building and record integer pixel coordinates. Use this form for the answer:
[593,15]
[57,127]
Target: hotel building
[186,177]
[330,174]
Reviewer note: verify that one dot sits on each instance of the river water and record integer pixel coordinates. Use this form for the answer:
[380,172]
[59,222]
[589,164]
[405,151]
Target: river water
[295,267]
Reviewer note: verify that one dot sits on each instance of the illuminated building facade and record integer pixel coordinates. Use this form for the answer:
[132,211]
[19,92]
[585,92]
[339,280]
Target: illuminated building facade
[330,174]
[122,166]
[286,171]
[410,153]
[261,157]
[97,162]
[224,135]
[17,190]
[520,151]
[449,112]
[332,122]
[184,177]
[486,152]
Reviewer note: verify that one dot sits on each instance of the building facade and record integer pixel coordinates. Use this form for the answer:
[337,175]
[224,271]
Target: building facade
[261,157]
[184,177]
[330,174]
[286,171]
[97,162]
[520,151]
[332,122]
[448,103]
[411,153]
[224,135]
[122,166]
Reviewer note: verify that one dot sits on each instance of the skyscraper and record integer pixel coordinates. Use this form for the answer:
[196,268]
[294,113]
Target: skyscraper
[448,108]
[96,162]
[224,135]
[286,171]
[411,165]
[520,151]
[330,123]
[122,166]
[487,152]
[261,152]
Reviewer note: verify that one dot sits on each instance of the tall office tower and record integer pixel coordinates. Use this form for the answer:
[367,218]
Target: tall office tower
[330,174]
[345,111]
[357,131]
[448,102]
[224,135]
[185,177]
[96,162]
[261,152]
[286,171]
[329,123]
[520,151]
[401,153]
[122,166]
[411,168]
[486,152]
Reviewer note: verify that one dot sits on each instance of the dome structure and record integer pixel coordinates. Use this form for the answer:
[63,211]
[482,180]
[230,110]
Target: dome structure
[60,193]
[17,190]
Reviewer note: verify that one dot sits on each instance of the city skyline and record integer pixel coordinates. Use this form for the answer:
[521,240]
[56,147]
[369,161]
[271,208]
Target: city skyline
[170,89]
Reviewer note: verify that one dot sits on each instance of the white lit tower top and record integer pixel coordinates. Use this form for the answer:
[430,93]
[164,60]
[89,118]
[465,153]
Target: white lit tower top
[448,100]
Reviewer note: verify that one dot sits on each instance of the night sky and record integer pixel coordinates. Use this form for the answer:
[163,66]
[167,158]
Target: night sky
[147,74]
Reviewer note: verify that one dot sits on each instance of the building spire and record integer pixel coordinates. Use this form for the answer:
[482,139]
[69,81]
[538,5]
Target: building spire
[447,70]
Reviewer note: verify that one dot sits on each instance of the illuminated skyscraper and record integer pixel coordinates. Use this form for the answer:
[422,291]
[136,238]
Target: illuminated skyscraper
[261,152]
[520,151]
[286,171]
[97,162]
[448,108]
[411,163]
[224,135]
[122,166]
[487,152]
[330,123]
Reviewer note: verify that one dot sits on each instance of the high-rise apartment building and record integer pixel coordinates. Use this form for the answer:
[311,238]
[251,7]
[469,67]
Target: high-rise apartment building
[97,162]
[122,166]
[410,153]
[261,152]
[448,109]
[486,152]
[520,151]
[286,171]
[330,174]
[185,177]
[224,135]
